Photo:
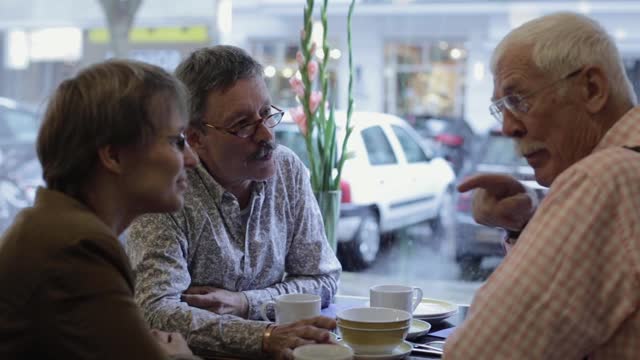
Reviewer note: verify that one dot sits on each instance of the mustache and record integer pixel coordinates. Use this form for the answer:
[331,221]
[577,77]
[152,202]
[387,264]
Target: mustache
[266,147]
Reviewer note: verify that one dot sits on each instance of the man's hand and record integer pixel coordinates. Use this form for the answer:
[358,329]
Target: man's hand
[286,337]
[172,343]
[216,300]
[499,201]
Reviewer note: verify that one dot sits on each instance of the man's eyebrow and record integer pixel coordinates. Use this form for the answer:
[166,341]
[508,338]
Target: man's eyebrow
[234,116]
[507,90]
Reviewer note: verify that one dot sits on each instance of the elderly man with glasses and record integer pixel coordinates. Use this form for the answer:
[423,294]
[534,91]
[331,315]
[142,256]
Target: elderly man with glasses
[250,229]
[570,287]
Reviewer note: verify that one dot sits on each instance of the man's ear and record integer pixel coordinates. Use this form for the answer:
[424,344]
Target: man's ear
[596,89]
[110,159]
[195,138]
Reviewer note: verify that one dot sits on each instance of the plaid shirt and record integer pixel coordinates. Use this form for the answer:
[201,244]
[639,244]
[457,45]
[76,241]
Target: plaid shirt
[570,288]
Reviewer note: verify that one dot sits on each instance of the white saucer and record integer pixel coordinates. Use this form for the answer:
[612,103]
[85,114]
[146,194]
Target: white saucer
[433,310]
[418,328]
[400,352]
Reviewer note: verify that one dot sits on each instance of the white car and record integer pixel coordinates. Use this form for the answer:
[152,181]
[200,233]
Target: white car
[392,181]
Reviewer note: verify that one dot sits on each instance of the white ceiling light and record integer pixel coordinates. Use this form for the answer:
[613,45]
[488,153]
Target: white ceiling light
[225,17]
[620,34]
[269,71]
[478,71]
[16,50]
[52,44]
[455,53]
[584,7]
[287,72]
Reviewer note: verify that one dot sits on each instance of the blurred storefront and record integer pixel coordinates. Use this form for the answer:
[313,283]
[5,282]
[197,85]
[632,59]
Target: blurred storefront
[412,58]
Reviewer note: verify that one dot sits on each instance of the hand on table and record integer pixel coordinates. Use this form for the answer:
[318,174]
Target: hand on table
[217,300]
[172,343]
[284,338]
[499,201]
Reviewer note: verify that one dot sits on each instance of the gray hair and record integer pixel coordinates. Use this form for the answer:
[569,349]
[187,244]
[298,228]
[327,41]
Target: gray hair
[563,42]
[215,68]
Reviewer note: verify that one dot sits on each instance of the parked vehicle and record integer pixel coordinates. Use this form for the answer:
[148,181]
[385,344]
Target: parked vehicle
[473,242]
[453,137]
[392,180]
[20,171]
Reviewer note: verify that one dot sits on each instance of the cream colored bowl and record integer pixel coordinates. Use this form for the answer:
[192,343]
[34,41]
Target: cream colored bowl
[373,330]
[374,318]
[370,342]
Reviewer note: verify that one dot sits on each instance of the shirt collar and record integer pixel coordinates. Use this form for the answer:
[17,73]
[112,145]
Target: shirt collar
[625,132]
[218,191]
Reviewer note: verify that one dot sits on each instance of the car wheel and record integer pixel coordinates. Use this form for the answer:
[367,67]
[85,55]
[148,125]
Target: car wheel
[361,251]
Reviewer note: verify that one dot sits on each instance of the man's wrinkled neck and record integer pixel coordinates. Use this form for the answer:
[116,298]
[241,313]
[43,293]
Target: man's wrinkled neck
[240,188]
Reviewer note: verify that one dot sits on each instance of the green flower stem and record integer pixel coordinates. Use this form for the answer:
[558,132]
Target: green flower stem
[349,129]
[321,139]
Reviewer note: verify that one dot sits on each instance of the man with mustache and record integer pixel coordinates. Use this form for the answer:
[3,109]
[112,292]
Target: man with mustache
[250,229]
[569,287]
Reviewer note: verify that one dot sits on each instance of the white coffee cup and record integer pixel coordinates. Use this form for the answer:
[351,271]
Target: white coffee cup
[322,352]
[292,307]
[399,297]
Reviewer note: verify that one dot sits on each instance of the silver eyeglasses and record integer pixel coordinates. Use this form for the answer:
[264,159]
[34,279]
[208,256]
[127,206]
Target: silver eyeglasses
[517,104]
[248,130]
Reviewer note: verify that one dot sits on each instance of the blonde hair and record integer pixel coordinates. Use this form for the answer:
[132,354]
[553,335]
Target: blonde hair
[563,42]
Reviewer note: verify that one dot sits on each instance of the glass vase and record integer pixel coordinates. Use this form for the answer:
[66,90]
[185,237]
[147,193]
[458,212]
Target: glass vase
[329,203]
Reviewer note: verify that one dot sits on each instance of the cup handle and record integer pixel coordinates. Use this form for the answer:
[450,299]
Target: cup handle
[418,293]
[264,308]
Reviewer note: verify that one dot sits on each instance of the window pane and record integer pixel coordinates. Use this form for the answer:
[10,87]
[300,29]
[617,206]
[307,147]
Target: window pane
[379,150]
[412,59]
[412,150]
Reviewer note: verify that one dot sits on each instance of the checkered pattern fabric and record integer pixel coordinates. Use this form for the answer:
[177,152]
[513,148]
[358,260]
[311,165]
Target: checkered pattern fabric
[570,287]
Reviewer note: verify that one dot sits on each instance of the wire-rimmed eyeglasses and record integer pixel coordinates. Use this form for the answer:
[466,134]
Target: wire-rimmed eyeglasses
[517,104]
[248,130]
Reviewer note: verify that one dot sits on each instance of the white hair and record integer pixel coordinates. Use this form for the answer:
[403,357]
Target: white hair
[563,42]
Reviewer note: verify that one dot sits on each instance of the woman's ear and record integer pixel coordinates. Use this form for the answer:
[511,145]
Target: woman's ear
[109,157]
[596,89]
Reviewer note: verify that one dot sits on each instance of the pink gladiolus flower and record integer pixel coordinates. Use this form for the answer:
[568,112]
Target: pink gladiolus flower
[312,69]
[314,100]
[297,86]
[300,59]
[299,118]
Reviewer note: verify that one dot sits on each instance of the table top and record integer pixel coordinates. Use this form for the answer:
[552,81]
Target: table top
[342,302]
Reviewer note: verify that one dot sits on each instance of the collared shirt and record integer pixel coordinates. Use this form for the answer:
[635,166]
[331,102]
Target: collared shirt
[570,287]
[281,249]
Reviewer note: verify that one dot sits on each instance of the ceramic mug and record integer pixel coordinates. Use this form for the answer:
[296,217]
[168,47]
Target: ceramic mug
[399,297]
[292,307]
